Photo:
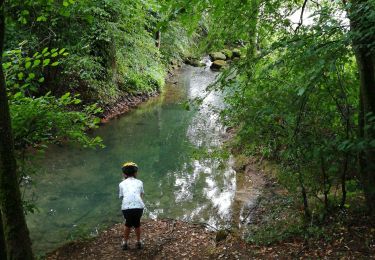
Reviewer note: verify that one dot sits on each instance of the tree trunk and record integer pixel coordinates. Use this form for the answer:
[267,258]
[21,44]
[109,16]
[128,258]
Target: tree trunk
[304,197]
[325,183]
[16,234]
[253,31]
[343,180]
[158,39]
[3,254]
[361,21]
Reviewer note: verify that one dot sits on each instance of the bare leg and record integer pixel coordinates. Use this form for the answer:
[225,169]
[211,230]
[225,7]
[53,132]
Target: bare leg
[138,233]
[126,234]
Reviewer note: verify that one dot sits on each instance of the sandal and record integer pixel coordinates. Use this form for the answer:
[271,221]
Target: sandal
[124,245]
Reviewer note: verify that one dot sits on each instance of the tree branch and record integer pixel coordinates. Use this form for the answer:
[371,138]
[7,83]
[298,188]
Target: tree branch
[301,16]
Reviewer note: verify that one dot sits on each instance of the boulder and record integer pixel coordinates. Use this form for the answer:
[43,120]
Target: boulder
[217,56]
[194,62]
[218,64]
[228,53]
[236,53]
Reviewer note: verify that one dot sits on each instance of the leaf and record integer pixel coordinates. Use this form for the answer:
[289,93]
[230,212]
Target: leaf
[45,50]
[46,62]
[65,3]
[7,65]
[55,63]
[20,75]
[25,12]
[65,96]
[36,63]
[41,18]
[301,91]
[17,95]
[31,76]
[28,65]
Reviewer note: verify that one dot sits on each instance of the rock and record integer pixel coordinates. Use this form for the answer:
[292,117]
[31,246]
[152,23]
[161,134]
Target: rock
[228,53]
[236,53]
[202,64]
[194,62]
[221,235]
[218,64]
[217,56]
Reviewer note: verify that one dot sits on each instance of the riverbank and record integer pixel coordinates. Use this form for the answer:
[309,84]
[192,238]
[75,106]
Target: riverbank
[124,104]
[129,101]
[173,239]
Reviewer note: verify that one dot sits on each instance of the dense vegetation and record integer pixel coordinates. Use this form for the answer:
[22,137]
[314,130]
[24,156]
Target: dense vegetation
[111,45]
[302,94]
[63,62]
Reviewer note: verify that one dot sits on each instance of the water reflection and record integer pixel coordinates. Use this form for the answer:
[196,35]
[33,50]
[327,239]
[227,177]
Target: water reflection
[78,188]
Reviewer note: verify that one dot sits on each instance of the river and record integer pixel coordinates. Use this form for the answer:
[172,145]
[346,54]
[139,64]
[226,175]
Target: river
[76,189]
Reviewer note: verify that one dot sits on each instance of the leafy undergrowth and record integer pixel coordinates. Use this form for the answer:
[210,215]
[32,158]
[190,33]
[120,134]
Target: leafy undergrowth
[278,230]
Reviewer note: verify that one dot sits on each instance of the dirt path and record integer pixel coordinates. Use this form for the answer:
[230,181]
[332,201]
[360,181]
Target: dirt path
[171,239]
[162,239]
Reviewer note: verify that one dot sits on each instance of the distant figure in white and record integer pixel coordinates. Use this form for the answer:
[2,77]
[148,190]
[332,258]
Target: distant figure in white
[131,193]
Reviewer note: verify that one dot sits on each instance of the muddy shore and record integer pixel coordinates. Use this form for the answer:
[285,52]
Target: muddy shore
[130,101]
[125,104]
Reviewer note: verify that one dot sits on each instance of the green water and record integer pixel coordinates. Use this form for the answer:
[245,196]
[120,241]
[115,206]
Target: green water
[77,189]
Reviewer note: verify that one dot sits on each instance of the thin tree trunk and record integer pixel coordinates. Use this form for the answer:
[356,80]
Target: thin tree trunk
[343,180]
[158,39]
[325,181]
[16,234]
[304,196]
[365,55]
[3,254]
[255,5]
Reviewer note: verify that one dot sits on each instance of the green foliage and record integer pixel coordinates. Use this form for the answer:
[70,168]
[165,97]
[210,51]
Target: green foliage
[24,74]
[43,119]
[294,95]
[111,44]
[47,119]
[177,42]
[297,102]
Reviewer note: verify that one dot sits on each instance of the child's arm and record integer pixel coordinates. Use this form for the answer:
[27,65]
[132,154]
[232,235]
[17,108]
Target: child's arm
[120,192]
[142,191]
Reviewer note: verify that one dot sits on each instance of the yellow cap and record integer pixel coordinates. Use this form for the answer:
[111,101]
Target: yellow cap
[130,164]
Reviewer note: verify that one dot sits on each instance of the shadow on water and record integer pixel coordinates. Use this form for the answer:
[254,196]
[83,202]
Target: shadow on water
[77,188]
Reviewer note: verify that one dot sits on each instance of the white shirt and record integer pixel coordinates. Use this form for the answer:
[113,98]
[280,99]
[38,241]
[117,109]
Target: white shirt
[130,192]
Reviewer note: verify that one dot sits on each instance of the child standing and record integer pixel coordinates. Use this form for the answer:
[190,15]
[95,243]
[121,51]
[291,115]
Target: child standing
[131,193]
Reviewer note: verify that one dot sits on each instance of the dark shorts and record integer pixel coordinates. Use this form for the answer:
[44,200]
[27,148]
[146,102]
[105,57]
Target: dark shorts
[132,217]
